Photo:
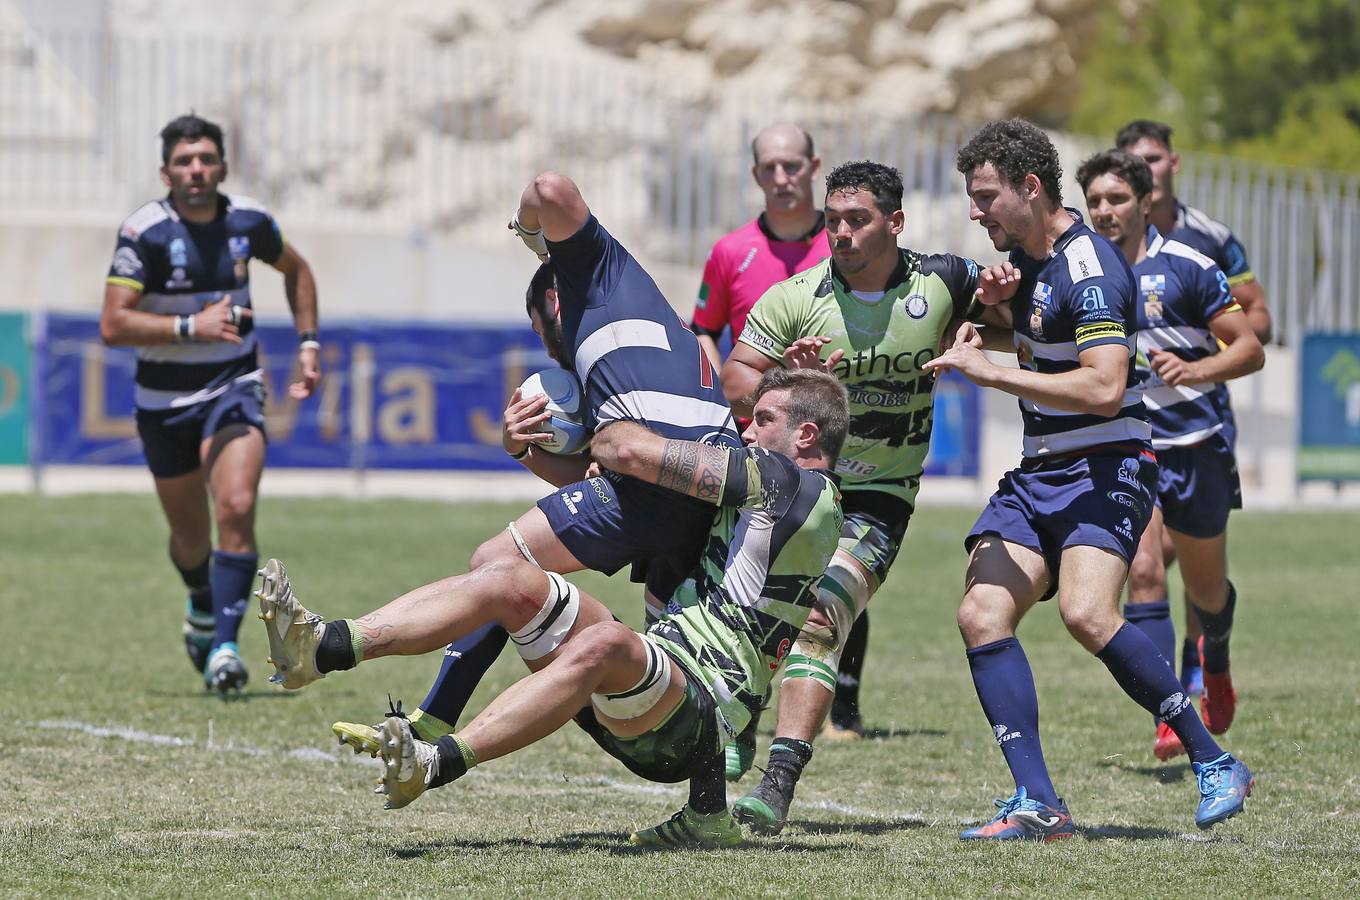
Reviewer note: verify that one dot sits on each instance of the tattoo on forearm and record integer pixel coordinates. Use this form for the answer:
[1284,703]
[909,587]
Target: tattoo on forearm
[692,469]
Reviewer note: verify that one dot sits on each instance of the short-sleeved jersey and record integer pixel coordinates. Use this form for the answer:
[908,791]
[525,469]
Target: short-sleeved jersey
[635,357]
[1081,296]
[1198,230]
[1180,291]
[732,622]
[181,267]
[743,264]
[886,341]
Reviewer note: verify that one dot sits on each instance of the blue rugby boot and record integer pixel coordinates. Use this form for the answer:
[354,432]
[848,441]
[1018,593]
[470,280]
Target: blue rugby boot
[1224,786]
[1023,819]
[224,672]
[199,629]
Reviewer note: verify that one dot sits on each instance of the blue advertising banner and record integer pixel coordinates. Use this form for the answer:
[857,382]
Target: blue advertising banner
[393,396]
[1329,407]
[14,373]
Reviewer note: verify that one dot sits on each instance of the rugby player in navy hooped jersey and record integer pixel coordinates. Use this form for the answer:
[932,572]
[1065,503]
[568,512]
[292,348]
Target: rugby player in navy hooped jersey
[1151,141]
[1068,519]
[1185,310]
[178,291]
[602,316]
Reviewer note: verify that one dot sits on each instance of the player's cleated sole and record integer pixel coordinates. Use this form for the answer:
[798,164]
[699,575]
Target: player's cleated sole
[690,830]
[225,673]
[759,816]
[358,737]
[294,631]
[1167,744]
[738,759]
[408,763]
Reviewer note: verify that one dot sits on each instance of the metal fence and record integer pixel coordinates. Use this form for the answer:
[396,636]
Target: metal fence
[424,135]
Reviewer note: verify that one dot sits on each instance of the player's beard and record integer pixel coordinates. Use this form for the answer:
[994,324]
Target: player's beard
[552,339]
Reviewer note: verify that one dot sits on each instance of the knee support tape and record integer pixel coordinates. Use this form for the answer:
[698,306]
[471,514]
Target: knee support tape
[546,631]
[520,543]
[644,695]
[842,594]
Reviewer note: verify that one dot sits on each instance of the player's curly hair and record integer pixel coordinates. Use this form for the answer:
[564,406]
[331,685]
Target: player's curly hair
[1016,148]
[190,128]
[884,182]
[1120,164]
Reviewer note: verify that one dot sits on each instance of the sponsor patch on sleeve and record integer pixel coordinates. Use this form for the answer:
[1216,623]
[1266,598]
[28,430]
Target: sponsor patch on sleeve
[1097,331]
[1082,262]
[761,342]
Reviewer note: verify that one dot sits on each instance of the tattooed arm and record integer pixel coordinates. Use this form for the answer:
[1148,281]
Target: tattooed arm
[685,466]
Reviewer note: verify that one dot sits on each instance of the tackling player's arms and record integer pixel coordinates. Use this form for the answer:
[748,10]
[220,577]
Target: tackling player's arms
[628,448]
[1095,387]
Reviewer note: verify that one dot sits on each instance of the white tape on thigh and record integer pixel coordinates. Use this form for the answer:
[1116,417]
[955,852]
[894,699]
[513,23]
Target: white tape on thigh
[817,651]
[644,695]
[520,543]
[547,630]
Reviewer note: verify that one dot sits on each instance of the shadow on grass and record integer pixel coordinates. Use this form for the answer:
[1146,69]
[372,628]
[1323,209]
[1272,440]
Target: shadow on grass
[612,842]
[887,734]
[874,827]
[263,693]
[1127,833]
[1175,774]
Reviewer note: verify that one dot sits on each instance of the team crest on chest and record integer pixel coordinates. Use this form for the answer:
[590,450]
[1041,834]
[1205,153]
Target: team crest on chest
[917,306]
[239,247]
[1043,295]
[1153,288]
[179,261]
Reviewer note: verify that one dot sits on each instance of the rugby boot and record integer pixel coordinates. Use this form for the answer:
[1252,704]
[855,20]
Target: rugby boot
[224,672]
[1218,703]
[409,763]
[691,830]
[844,723]
[1023,819]
[294,631]
[1167,745]
[1224,786]
[766,809]
[199,629]
[363,738]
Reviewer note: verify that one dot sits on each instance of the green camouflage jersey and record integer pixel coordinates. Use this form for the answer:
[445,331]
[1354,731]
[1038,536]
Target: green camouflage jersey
[732,622]
[886,341]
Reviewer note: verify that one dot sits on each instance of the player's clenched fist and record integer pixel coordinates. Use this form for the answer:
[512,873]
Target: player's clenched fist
[221,321]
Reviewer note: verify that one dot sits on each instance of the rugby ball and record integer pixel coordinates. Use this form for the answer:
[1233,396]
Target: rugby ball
[566,403]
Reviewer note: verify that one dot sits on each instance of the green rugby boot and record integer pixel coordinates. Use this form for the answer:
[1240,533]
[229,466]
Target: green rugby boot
[690,830]
[766,809]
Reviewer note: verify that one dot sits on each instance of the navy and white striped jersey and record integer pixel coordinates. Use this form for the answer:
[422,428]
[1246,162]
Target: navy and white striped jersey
[635,357]
[1197,229]
[1180,291]
[1080,297]
[180,268]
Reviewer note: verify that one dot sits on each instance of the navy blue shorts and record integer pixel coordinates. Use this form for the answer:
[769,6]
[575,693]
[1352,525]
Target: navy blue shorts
[1103,499]
[611,521]
[1198,487]
[171,437]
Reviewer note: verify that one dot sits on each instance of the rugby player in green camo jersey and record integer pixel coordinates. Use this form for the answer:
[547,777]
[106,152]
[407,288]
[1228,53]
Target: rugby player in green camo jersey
[871,315]
[662,703]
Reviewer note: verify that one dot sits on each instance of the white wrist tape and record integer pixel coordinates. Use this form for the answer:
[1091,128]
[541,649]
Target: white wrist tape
[534,240]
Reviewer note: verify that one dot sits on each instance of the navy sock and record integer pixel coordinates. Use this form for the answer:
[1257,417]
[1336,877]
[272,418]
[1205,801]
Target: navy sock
[846,704]
[335,653]
[465,662]
[1189,654]
[1005,688]
[1217,630]
[196,580]
[1154,620]
[1143,674]
[708,788]
[231,578]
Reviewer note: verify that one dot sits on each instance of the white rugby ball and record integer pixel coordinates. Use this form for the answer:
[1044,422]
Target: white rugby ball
[566,403]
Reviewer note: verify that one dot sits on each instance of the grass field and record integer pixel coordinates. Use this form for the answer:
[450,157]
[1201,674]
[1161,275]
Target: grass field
[120,776]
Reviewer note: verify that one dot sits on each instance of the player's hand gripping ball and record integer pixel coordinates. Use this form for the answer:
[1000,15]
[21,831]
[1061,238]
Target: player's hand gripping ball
[567,406]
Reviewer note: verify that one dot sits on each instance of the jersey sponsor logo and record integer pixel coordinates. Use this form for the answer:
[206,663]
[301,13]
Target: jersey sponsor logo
[1002,735]
[875,363]
[597,485]
[917,306]
[888,394]
[1125,527]
[126,261]
[720,439]
[761,342]
[1093,299]
[746,263]
[1172,706]
[179,255]
[572,499]
[1043,293]
[1082,261]
[1128,473]
[855,467]
[780,653]
[1152,284]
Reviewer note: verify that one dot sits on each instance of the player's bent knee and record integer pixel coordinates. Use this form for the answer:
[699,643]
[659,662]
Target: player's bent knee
[816,654]
[642,697]
[548,628]
[235,507]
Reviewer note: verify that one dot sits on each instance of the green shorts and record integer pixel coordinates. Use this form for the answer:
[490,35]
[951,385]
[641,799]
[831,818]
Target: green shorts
[875,524]
[688,741]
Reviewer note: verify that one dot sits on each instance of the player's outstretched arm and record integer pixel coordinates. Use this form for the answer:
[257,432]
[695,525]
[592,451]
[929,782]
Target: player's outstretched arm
[551,204]
[299,286]
[628,448]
